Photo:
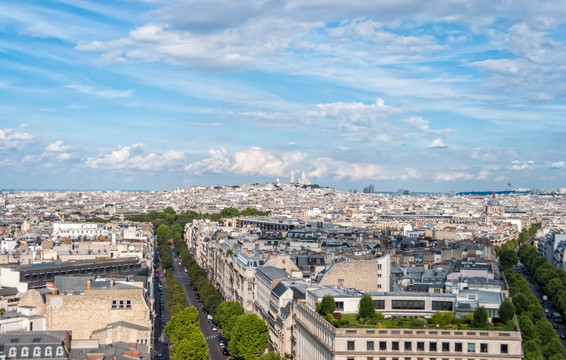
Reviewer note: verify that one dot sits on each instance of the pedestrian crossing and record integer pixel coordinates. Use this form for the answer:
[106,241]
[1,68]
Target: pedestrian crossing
[213,336]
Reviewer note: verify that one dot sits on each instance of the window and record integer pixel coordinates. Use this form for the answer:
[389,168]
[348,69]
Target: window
[378,266]
[369,345]
[114,304]
[432,346]
[445,346]
[339,305]
[395,345]
[471,347]
[36,351]
[379,304]
[483,348]
[408,346]
[121,304]
[12,353]
[59,351]
[128,304]
[383,345]
[420,346]
[379,286]
[504,348]
[351,345]
[48,351]
[458,347]
[250,286]
[408,304]
[25,352]
[442,305]
[379,275]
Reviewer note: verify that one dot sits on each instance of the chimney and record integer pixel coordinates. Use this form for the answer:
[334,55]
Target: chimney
[67,342]
[133,346]
[88,284]
[111,282]
[54,291]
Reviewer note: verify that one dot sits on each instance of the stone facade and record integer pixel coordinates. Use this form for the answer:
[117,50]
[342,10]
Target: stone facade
[316,339]
[92,310]
[364,275]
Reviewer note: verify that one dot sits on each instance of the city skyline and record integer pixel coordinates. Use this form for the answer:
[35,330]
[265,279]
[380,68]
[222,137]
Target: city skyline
[155,95]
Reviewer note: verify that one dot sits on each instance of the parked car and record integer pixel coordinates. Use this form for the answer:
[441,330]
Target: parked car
[225,352]
[563,336]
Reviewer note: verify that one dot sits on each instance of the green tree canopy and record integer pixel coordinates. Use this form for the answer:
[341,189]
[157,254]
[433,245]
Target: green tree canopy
[327,305]
[249,337]
[507,259]
[191,348]
[481,317]
[443,317]
[226,314]
[528,331]
[229,212]
[506,310]
[366,309]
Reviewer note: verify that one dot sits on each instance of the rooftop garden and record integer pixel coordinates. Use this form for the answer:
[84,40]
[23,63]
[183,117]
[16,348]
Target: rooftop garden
[367,317]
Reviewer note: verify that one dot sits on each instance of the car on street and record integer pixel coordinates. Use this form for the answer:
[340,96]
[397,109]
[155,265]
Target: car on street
[555,326]
[225,352]
[563,336]
[214,329]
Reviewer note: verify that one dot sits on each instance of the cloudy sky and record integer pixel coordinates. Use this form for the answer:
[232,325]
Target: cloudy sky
[462,95]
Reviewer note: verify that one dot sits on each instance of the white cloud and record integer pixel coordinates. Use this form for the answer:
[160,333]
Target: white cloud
[107,93]
[437,144]
[558,165]
[453,176]
[217,163]
[339,169]
[517,165]
[253,161]
[57,146]
[121,159]
[10,139]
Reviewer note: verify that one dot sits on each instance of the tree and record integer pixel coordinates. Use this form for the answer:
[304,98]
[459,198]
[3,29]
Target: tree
[528,331]
[507,259]
[327,305]
[481,317]
[229,212]
[443,317]
[194,347]
[506,310]
[226,314]
[521,303]
[366,309]
[553,347]
[545,332]
[163,233]
[249,337]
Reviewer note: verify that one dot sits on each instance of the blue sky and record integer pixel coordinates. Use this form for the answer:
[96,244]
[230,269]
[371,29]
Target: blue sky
[462,95]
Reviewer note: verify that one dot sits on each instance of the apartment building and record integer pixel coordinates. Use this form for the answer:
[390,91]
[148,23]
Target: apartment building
[316,339]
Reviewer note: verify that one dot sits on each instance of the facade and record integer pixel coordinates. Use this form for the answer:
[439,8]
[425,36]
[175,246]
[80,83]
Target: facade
[376,274]
[317,339]
[89,311]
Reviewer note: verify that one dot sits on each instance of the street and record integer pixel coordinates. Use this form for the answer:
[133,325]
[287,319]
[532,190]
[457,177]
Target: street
[212,338]
[549,305]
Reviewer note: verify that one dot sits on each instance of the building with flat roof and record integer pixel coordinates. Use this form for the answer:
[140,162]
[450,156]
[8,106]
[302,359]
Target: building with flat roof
[317,339]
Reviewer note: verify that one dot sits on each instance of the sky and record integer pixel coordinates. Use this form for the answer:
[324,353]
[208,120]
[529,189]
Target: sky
[452,95]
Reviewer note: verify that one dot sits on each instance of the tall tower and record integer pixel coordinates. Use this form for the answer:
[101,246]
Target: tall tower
[292,176]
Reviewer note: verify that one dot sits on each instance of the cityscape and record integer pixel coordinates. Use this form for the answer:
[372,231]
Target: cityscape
[273,180]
